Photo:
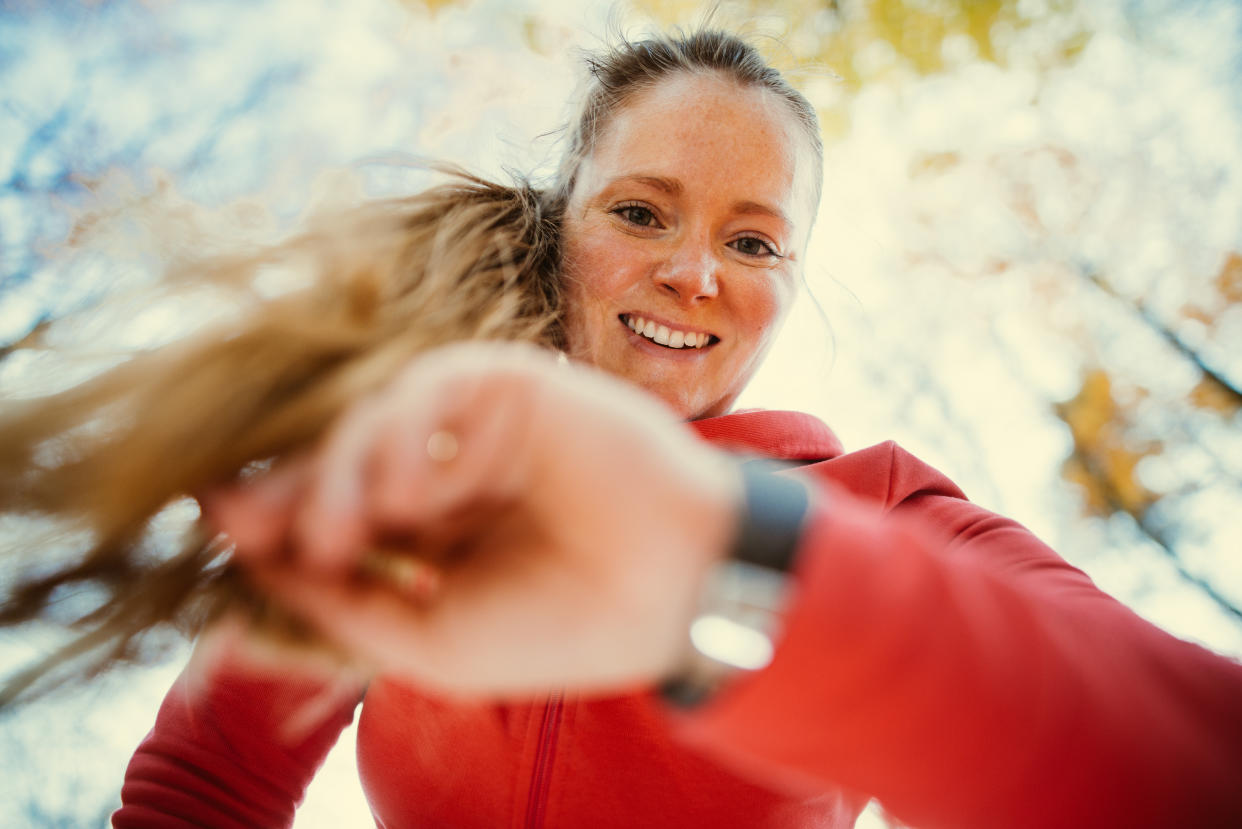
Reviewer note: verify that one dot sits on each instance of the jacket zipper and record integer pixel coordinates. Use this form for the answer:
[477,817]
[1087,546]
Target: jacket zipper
[545,753]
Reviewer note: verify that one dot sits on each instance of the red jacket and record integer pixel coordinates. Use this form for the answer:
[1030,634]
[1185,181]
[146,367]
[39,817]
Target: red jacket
[935,655]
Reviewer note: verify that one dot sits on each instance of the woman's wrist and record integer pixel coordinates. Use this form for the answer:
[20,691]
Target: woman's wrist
[741,603]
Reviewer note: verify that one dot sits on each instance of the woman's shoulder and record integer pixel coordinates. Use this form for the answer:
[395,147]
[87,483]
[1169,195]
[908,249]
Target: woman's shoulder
[888,474]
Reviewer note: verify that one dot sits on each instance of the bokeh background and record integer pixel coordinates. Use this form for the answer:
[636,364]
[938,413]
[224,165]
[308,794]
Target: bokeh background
[1027,268]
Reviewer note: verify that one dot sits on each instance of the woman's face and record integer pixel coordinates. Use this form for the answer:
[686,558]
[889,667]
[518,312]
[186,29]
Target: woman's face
[684,237]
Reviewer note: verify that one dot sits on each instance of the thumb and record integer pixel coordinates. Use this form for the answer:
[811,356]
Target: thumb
[257,514]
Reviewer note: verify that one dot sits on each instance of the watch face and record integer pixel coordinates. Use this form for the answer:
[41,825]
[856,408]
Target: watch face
[734,631]
[730,642]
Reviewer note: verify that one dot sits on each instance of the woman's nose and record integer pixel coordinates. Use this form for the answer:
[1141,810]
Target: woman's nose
[690,273]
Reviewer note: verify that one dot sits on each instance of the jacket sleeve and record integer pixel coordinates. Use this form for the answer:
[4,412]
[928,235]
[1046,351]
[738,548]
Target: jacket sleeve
[236,749]
[944,660]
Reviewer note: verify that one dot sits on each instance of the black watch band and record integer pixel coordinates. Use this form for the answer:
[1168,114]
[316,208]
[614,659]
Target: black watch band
[774,507]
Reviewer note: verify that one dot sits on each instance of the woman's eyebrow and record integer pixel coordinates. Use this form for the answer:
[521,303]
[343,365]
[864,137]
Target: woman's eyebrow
[754,207]
[669,185]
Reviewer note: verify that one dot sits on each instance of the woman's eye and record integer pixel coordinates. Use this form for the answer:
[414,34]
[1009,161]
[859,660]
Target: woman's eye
[751,246]
[636,214]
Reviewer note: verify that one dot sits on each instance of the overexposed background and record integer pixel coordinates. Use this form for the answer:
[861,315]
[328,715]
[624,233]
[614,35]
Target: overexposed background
[1027,267]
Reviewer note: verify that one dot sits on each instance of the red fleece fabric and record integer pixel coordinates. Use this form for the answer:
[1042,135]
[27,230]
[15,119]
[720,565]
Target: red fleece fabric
[935,655]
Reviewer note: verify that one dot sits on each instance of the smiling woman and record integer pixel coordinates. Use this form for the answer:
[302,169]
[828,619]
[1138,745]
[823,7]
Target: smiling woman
[697,230]
[505,556]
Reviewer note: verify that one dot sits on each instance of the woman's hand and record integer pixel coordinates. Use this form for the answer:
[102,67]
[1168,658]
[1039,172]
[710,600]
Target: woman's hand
[570,519]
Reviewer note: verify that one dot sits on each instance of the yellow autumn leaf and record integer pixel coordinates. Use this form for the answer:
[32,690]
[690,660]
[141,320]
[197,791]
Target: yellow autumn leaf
[1090,411]
[1119,467]
[1095,499]
[433,6]
[931,164]
[1209,394]
[1106,457]
[1229,280]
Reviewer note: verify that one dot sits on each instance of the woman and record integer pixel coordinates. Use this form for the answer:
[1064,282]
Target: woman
[566,522]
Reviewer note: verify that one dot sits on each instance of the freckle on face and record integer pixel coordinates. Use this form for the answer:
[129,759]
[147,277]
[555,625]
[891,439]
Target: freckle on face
[725,149]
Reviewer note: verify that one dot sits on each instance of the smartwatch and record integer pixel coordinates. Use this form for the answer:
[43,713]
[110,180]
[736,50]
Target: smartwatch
[742,602]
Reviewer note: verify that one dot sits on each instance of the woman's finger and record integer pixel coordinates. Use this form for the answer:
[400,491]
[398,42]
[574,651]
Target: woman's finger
[257,513]
[370,622]
[330,530]
[438,462]
[414,445]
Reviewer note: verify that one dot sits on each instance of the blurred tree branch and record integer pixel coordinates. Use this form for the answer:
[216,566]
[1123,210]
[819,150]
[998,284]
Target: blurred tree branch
[1149,318]
[1153,532]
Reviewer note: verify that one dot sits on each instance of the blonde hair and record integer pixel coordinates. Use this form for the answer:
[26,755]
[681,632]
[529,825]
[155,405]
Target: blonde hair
[385,281]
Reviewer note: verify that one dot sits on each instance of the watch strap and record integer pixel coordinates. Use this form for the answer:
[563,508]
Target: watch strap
[773,510]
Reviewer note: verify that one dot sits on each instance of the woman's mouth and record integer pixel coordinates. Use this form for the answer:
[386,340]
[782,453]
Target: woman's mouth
[666,336]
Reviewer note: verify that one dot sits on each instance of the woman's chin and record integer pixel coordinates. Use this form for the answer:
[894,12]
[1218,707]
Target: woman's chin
[691,406]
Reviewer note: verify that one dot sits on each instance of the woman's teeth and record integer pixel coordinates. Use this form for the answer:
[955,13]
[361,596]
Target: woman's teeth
[664,335]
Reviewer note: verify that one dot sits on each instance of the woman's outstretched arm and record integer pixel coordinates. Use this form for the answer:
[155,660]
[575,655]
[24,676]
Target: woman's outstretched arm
[945,660]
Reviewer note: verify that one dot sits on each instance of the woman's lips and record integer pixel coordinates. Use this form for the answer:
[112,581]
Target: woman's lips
[665,335]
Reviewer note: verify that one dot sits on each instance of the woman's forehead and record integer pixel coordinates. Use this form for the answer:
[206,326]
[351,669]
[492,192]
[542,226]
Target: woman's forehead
[694,105]
[698,130]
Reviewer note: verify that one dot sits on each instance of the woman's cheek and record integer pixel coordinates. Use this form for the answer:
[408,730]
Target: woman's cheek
[766,308]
